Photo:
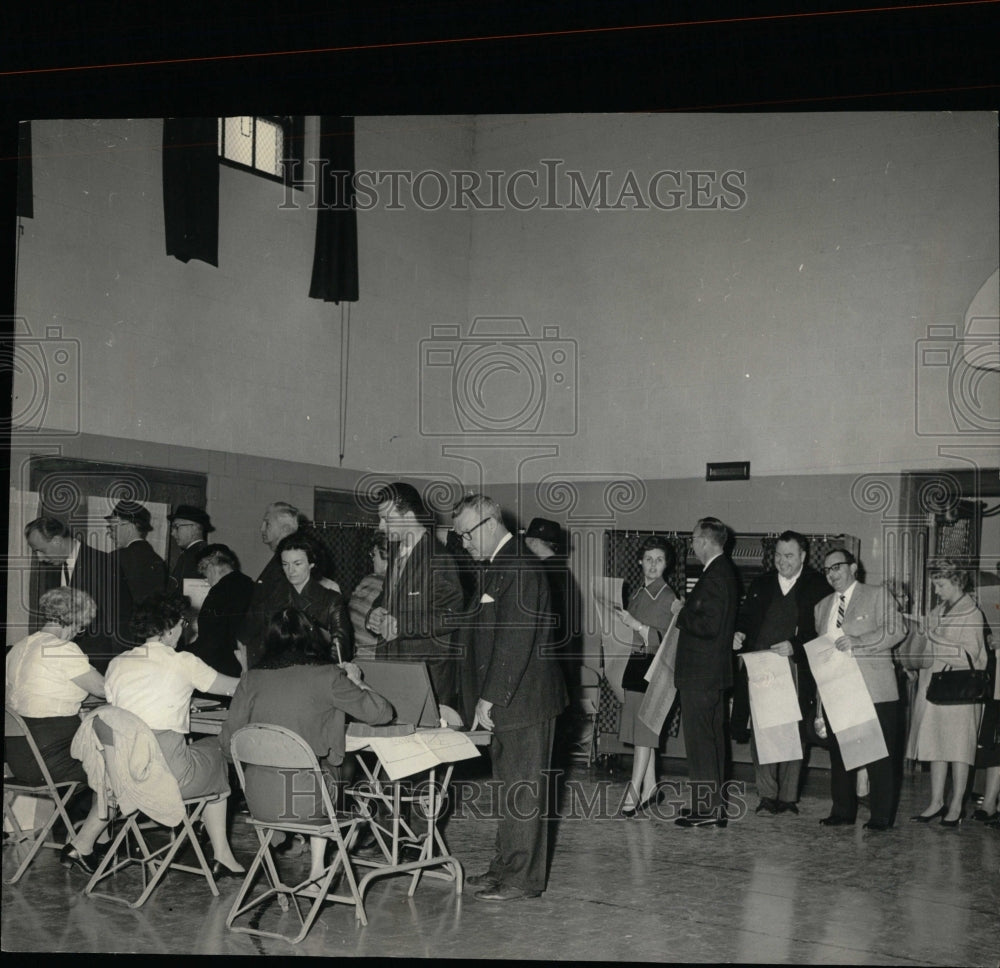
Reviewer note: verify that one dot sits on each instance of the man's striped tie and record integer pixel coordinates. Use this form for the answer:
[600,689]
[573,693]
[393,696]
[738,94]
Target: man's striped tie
[840,611]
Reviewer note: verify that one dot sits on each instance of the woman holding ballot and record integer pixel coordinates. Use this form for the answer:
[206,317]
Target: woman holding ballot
[648,616]
[946,735]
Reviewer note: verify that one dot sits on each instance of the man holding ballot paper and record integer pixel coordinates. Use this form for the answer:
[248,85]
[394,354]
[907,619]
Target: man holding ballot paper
[775,620]
[852,664]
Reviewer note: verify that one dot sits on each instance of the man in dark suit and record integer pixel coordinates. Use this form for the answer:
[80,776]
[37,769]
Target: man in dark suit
[706,621]
[88,570]
[513,689]
[862,621]
[142,569]
[414,616]
[188,527]
[777,615]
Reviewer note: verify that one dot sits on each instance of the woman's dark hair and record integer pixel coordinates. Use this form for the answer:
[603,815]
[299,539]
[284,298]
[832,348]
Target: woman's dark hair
[158,614]
[655,542]
[218,554]
[299,542]
[293,640]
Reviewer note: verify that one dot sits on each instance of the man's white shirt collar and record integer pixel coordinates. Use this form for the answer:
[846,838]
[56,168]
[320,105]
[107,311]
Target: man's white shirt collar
[502,542]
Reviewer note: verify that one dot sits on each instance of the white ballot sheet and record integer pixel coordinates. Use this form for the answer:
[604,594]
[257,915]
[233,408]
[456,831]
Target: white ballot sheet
[662,691]
[424,750]
[197,590]
[846,703]
[841,685]
[777,744]
[773,699]
[616,636]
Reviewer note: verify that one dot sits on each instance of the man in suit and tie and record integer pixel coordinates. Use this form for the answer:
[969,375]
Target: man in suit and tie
[855,617]
[516,690]
[706,623]
[778,615]
[414,616]
[88,570]
[188,527]
[142,569]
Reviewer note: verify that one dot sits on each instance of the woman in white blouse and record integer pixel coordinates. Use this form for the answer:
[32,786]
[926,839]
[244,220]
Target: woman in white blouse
[48,676]
[154,682]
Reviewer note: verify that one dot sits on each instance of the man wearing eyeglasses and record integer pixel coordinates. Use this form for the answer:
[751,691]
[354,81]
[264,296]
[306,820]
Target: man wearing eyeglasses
[514,689]
[854,616]
[188,527]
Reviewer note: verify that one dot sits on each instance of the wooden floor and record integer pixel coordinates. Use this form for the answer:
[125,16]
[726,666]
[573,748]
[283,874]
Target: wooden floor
[771,889]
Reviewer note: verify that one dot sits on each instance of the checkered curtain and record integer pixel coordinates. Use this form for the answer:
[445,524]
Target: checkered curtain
[347,547]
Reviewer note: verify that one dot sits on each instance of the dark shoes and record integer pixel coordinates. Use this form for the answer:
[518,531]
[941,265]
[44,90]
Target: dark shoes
[221,872]
[786,806]
[877,825]
[955,822]
[767,805]
[70,857]
[921,818]
[483,880]
[832,821]
[701,820]
[504,893]
[983,817]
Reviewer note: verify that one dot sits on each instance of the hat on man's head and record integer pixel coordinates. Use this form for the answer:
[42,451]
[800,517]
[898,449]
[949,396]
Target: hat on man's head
[133,512]
[545,530]
[188,512]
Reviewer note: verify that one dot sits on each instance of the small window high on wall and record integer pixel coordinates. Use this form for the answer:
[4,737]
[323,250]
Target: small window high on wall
[269,146]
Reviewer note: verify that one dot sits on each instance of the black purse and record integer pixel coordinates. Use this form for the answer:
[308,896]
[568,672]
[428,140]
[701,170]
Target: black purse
[953,687]
[633,679]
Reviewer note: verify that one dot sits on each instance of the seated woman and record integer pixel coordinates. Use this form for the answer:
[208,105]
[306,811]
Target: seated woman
[48,676]
[324,606]
[947,734]
[155,683]
[298,685]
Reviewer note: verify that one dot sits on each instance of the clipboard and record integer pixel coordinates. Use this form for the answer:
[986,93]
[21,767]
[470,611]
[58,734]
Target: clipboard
[407,686]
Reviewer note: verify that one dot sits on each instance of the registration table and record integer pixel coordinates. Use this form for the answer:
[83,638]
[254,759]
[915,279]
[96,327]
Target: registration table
[402,796]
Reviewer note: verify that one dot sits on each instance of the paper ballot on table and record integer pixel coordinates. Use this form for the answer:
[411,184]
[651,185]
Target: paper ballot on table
[659,697]
[616,636]
[423,750]
[773,699]
[841,685]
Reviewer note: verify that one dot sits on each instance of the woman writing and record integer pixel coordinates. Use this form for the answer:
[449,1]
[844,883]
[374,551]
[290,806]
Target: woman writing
[154,682]
[298,684]
[946,735]
[648,615]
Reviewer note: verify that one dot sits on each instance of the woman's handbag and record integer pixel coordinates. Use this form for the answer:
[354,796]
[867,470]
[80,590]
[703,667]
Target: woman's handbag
[633,678]
[953,687]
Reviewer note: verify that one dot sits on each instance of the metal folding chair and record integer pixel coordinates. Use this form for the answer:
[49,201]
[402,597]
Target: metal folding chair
[59,793]
[286,791]
[129,847]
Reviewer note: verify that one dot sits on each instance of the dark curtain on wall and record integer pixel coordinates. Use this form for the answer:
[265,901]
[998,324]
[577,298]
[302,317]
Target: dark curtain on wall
[335,260]
[191,188]
[25,192]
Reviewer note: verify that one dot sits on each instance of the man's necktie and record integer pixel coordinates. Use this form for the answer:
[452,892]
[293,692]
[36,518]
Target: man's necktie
[64,581]
[840,611]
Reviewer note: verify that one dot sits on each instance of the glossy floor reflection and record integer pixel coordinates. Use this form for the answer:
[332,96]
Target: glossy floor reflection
[771,889]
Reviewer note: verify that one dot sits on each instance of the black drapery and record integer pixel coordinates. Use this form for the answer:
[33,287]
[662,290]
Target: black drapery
[191,188]
[25,192]
[335,259]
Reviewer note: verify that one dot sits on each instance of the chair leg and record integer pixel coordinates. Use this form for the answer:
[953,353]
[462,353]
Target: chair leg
[41,837]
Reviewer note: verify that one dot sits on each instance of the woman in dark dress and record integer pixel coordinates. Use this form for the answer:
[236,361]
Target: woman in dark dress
[648,615]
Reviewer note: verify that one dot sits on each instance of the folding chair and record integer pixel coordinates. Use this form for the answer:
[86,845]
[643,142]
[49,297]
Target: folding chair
[59,793]
[153,863]
[280,775]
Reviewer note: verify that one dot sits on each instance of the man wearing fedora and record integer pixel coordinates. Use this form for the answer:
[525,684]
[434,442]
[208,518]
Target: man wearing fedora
[188,527]
[141,568]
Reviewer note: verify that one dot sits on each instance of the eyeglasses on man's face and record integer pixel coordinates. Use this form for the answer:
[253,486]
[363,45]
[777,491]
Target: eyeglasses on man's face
[836,565]
[467,535]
